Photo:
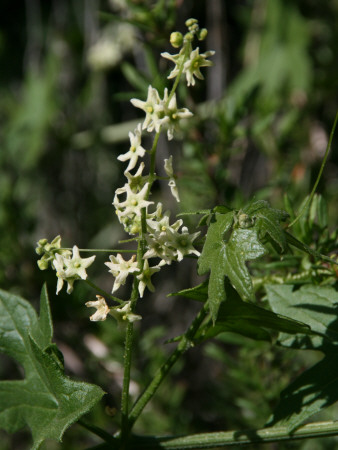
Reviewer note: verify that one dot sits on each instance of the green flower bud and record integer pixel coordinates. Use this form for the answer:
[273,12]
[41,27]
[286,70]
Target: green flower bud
[191,22]
[188,37]
[202,34]
[42,242]
[42,264]
[176,39]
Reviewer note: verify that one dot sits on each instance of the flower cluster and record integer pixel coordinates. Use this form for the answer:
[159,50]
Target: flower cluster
[68,264]
[188,61]
[161,112]
[159,239]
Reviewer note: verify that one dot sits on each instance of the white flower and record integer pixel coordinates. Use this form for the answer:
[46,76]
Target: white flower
[134,202]
[177,60]
[149,107]
[182,242]
[76,267]
[124,314]
[145,278]
[158,248]
[174,190]
[58,265]
[192,66]
[170,115]
[70,270]
[120,269]
[168,167]
[135,151]
[101,307]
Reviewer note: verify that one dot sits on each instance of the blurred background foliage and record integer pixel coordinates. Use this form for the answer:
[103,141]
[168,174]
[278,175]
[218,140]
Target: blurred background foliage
[261,126]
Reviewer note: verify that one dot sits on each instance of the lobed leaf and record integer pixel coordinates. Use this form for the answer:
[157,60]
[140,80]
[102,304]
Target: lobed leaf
[226,257]
[46,400]
[267,221]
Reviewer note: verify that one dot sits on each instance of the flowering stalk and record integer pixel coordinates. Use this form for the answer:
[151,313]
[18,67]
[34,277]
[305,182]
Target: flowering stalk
[156,237]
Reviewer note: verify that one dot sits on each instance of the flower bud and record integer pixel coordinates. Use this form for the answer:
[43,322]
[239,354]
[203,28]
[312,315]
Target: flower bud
[202,34]
[191,22]
[176,39]
[42,264]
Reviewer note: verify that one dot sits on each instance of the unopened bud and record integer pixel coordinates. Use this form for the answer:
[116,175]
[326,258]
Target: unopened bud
[191,22]
[188,37]
[202,34]
[42,264]
[176,39]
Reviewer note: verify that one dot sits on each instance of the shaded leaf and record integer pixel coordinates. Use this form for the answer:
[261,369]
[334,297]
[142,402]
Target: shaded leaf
[249,320]
[267,221]
[316,306]
[312,391]
[46,400]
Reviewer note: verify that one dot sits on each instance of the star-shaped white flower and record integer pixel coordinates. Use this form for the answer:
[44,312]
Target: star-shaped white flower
[70,270]
[192,66]
[182,242]
[177,59]
[120,269]
[134,202]
[145,278]
[76,267]
[149,107]
[135,151]
[102,309]
[124,314]
[170,114]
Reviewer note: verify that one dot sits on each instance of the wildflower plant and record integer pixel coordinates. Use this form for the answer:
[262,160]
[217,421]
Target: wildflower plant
[227,294]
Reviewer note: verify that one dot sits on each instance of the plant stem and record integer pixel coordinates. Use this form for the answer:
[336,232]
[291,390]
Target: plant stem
[104,293]
[309,200]
[236,438]
[183,346]
[126,382]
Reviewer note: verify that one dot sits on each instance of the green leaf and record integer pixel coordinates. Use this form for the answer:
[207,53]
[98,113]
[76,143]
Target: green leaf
[249,320]
[305,248]
[313,305]
[226,256]
[313,390]
[267,221]
[199,293]
[46,400]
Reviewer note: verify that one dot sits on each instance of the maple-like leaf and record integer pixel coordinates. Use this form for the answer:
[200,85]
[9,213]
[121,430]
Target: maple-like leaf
[225,253]
[46,400]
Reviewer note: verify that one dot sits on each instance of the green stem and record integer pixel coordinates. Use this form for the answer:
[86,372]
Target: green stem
[103,250]
[237,438]
[309,200]
[104,293]
[128,349]
[182,347]
[126,383]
